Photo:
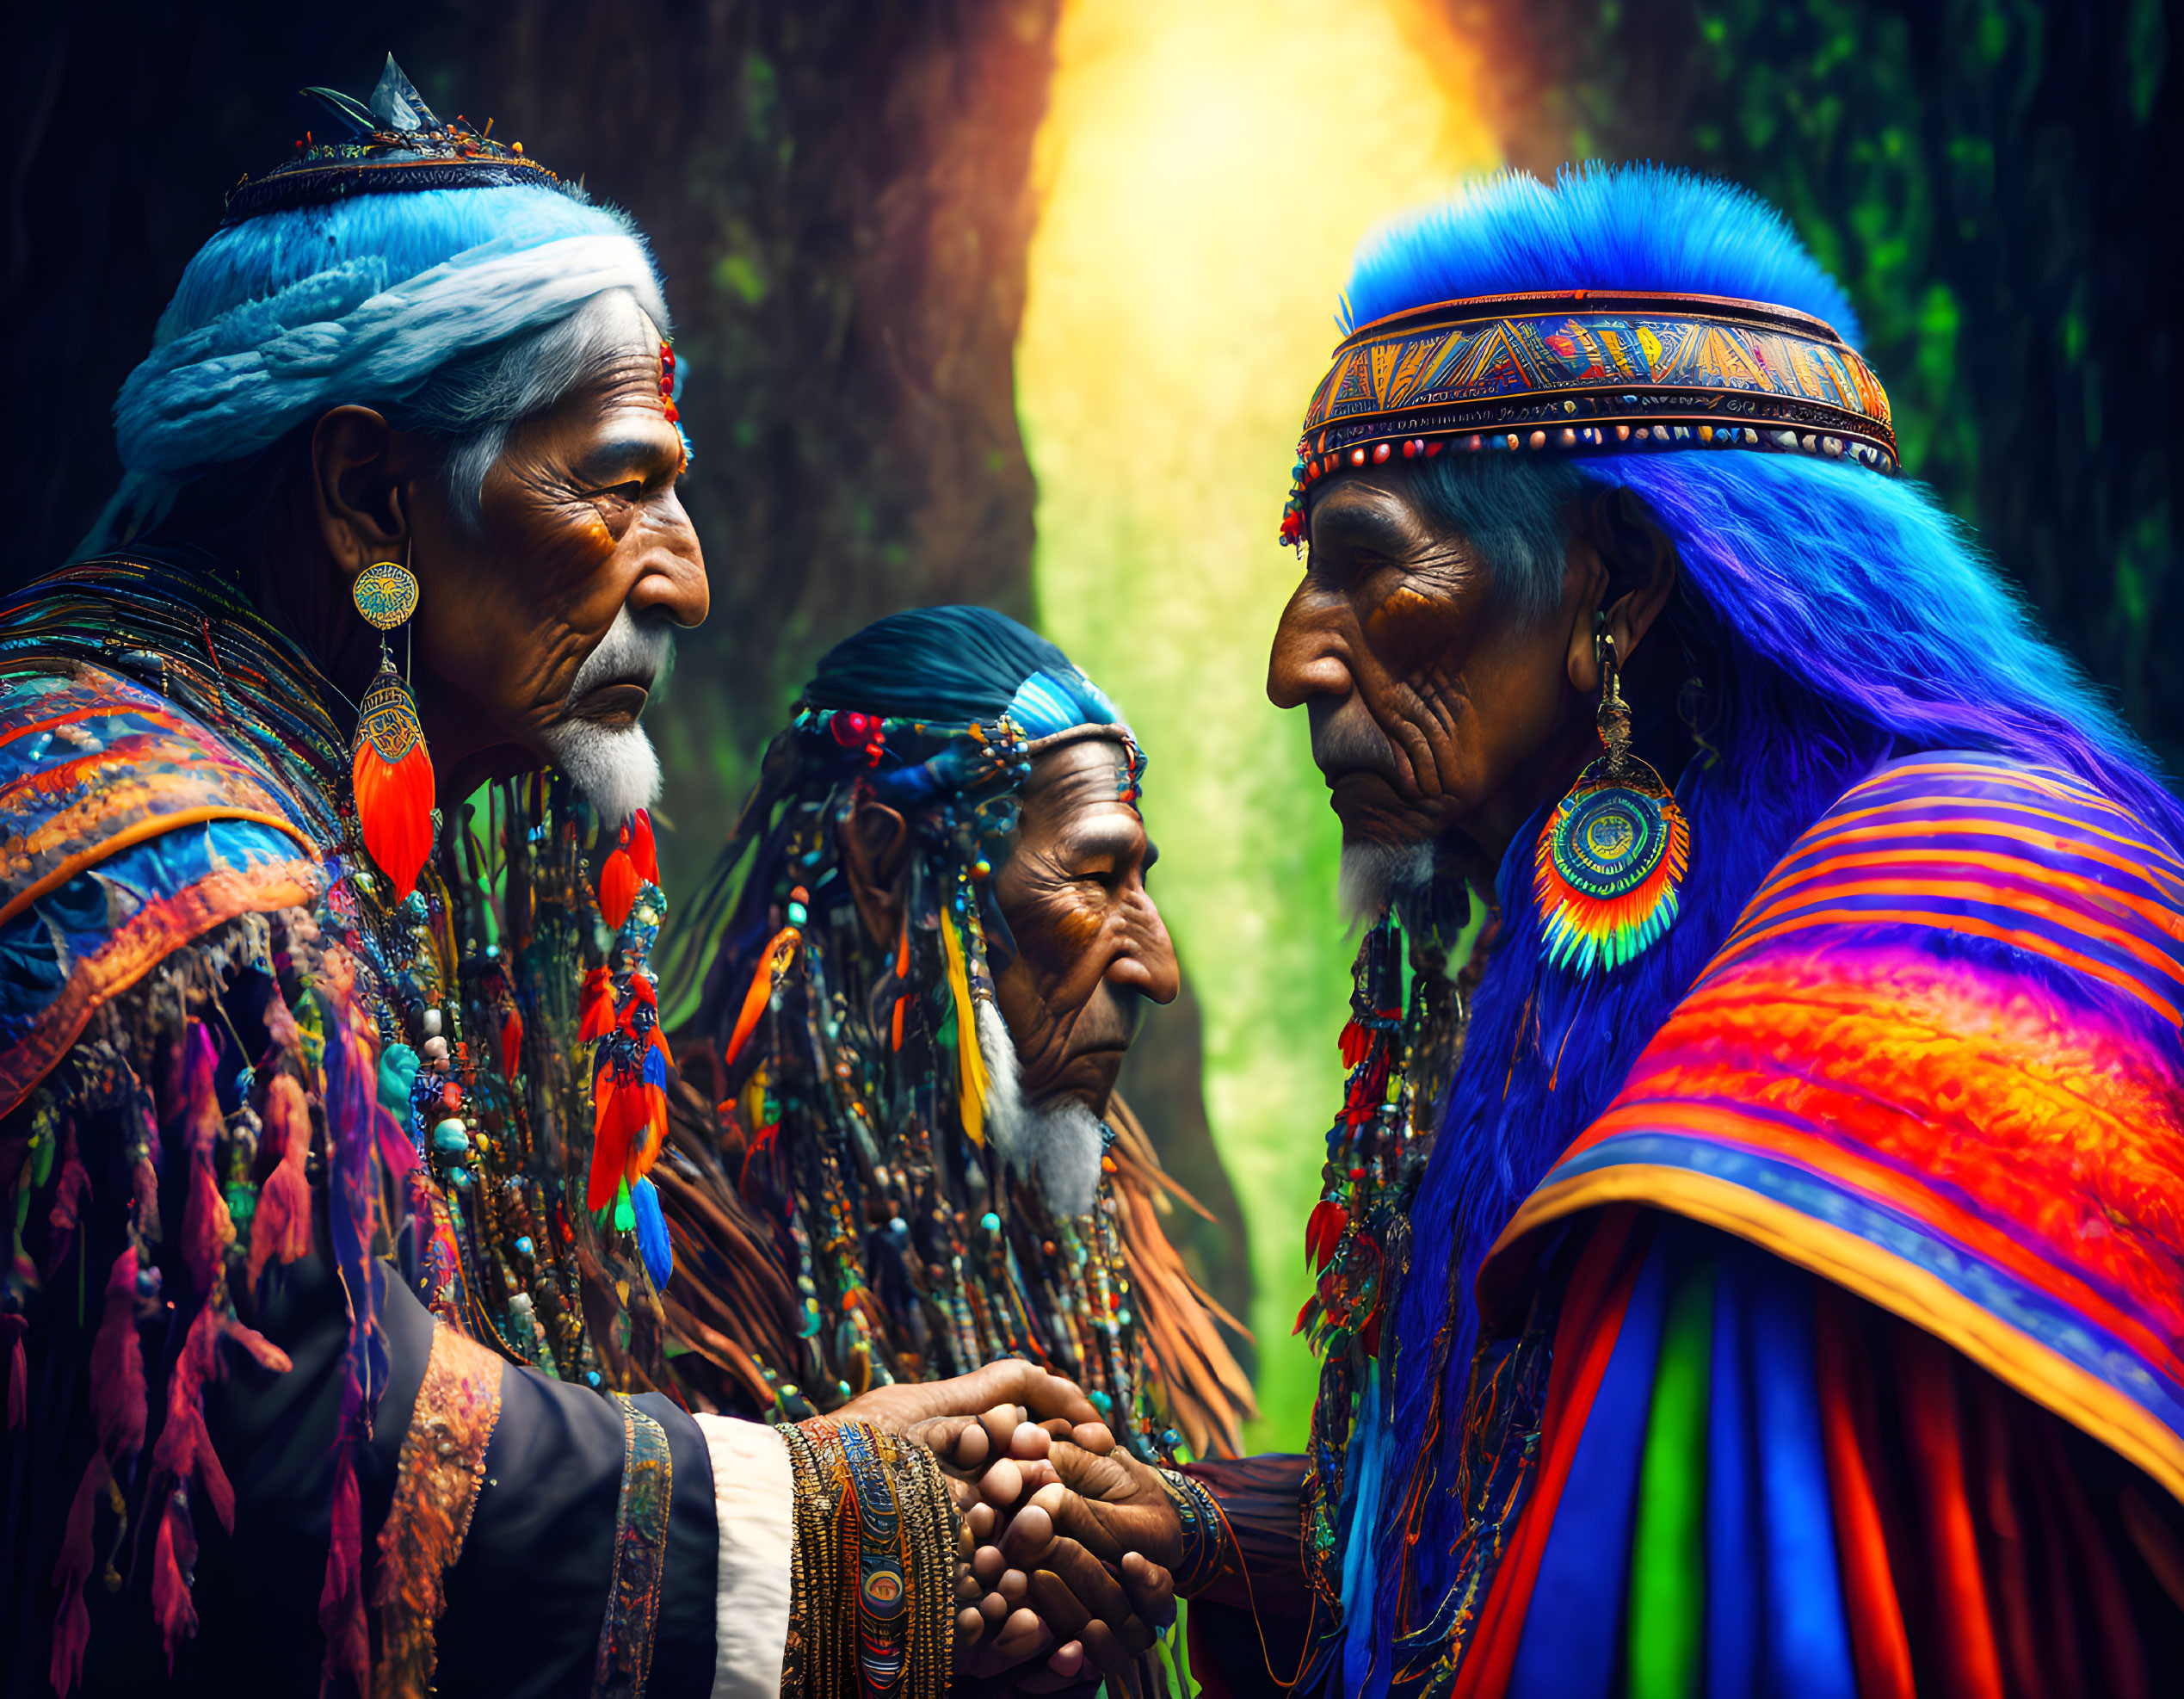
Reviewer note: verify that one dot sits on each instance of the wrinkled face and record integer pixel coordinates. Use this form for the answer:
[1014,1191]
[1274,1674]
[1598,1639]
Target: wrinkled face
[1090,942]
[1426,696]
[583,536]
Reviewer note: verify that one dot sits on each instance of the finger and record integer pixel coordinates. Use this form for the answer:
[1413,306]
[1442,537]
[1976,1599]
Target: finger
[1088,1582]
[994,1608]
[1057,1606]
[987,1565]
[981,1519]
[1025,1539]
[972,1445]
[1060,1428]
[1013,1586]
[1068,1660]
[1109,1655]
[1068,1518]
[1151,1588]
[1030,1442]
[1002,1484]
[999,1426]
[969,1625]
[1094,1436]
[1012,1381]
[1023,1636]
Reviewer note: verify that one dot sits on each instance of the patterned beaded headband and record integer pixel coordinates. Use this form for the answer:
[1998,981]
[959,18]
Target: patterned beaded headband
[1590,371]
[395,144]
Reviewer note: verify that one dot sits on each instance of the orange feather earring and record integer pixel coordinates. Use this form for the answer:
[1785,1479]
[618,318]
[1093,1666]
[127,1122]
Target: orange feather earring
[391,770]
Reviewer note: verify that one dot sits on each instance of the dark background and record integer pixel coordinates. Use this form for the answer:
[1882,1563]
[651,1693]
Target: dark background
[839,196]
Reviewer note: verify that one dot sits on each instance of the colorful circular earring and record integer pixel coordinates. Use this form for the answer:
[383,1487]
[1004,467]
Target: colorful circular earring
[1608,865]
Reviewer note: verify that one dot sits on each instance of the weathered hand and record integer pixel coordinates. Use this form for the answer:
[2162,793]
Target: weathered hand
[1111,1504]
[1010,1381]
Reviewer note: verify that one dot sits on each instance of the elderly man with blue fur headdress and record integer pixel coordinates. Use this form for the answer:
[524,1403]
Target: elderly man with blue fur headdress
[332,1337]
[1758,1271]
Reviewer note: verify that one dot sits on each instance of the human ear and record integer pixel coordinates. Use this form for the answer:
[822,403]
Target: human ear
[1641,564]
[360,505]
[875,850]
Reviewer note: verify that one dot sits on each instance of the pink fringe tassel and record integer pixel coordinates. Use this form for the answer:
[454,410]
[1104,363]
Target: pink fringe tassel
[341,1601]
[72,1622]
[117,1365]
[281,1230]
[172,1559]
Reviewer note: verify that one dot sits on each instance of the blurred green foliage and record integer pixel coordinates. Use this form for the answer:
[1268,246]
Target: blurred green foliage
[1993,182]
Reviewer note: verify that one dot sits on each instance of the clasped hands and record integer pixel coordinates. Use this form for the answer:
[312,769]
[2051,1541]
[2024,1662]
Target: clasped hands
[1064,1543]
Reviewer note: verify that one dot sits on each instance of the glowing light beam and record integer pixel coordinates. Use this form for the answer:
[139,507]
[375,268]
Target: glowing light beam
[1206,171]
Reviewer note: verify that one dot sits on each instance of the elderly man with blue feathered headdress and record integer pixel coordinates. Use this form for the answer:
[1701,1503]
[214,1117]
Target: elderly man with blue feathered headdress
[1751,1253]
[333,1341]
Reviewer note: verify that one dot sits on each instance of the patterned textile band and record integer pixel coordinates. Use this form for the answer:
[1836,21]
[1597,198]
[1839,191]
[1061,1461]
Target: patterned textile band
[1205,1533]
[640,1558]
[1590,372]
[1936,1064]
[871,1595]
[435,1488]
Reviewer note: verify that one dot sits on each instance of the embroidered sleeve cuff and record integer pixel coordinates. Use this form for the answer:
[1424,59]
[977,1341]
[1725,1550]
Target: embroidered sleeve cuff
[754,1498]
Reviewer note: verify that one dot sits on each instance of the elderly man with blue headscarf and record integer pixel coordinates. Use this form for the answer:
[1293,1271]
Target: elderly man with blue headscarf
[333,1342]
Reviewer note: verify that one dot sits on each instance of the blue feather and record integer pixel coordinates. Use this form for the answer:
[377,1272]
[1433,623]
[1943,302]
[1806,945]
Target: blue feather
[652,1232]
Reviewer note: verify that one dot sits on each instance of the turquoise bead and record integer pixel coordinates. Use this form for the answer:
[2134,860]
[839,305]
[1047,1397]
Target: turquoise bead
[449,1139]
[991,1222]
[524,1245]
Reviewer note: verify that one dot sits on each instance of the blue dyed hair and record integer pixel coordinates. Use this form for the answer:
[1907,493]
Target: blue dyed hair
[954,666]
[457,311]
[1844,618]
[401,236]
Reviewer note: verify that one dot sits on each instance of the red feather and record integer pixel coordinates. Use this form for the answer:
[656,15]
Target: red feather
[616,1117]
[618,885]
[595,1006]
[511,1044]
[394,800]
[642,852]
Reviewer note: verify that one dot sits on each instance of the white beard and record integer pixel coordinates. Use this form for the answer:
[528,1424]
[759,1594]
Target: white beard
[1059,1144]
[1374,875]
[615,767]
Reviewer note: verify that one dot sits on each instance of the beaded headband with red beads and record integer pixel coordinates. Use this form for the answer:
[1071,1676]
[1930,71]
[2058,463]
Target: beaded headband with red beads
[1588,371]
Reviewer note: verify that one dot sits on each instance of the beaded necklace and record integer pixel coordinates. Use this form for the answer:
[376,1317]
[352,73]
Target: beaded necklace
[1400,1052]
[496,941]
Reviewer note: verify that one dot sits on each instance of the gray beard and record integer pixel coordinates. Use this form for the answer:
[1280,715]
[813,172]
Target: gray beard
[1374,875]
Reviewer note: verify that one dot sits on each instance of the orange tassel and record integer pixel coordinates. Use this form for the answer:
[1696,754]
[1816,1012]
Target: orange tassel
[595,1006]
[618,885]
[772,963]
[391,772]
[511,1044]
[643,855]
